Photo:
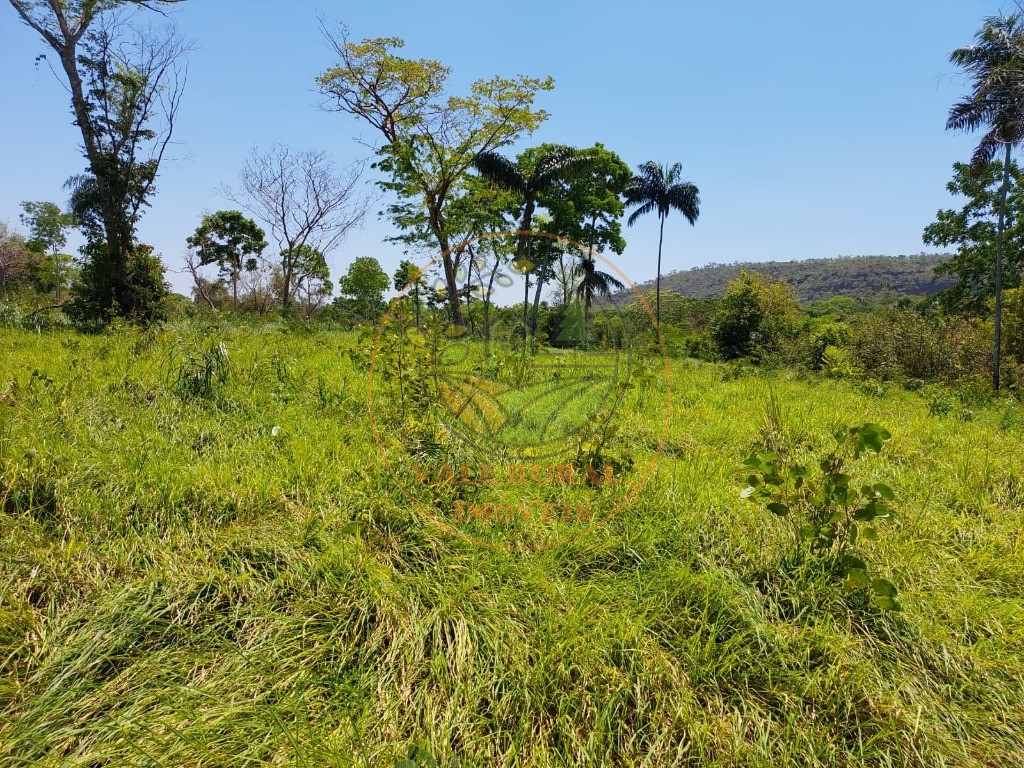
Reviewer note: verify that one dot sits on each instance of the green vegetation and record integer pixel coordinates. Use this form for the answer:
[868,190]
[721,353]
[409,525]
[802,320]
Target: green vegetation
[205,562]
[773,521]
[862,277]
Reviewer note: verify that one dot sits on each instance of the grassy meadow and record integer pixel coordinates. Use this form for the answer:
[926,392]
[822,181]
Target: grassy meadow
[204,562]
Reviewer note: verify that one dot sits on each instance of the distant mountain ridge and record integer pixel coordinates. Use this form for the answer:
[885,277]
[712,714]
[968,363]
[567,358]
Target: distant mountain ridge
[862,277]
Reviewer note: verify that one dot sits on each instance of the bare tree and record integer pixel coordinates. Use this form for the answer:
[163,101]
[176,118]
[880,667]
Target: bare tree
[201,287]
[304,201]
[125,86]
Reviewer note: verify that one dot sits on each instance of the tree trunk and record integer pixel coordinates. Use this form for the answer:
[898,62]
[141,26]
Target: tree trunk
[523,246]
[416,298]
[469,283]
[1003,191]
[526,304]
[542,277]
[56,270]
[286,276]
[487,306]
[586,313]
[657,282]
[116,244]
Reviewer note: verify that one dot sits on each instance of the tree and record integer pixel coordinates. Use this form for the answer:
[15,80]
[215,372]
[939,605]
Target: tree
[232,242]
[534,174]
[593,283]
[660,189]
[15,258]
[305,203]
[754,317]
[408,275]
[974,231]
[311,277]
[142,272]
[48,226]
[585,207]
[995,64]
[125,88]
[430,136]
[362,289]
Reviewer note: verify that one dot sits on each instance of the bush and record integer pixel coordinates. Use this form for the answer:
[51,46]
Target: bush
[838,364]
[904,344]
[755,318]
[143,294]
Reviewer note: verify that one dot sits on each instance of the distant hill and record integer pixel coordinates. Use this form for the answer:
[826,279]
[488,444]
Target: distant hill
[818,279]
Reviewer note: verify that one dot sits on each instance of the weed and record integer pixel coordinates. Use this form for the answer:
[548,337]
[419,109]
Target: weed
[828,514]
[200,374]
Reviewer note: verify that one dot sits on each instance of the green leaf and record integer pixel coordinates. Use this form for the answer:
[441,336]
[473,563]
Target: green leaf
[778,509]
[839,480]
[852,563]
[752,463]
[349,529]
[856,579]
[884,491]
[870,534]
[884,588]
[870,511]
[887,603]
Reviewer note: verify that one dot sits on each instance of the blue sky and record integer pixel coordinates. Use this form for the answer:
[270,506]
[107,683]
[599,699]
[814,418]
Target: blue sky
[812,129]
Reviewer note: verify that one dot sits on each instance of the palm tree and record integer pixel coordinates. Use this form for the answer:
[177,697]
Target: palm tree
[661,188]
[593,284]
[995,64]
[554,165]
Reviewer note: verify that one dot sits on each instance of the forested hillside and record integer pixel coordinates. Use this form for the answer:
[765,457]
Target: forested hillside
[819,279]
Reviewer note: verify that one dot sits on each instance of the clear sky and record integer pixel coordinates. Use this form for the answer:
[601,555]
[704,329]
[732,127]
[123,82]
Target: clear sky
[813,129]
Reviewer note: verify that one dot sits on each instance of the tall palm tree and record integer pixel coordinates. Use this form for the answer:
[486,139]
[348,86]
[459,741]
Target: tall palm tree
[995,64]
[593,284]
[553,166]
[661,188]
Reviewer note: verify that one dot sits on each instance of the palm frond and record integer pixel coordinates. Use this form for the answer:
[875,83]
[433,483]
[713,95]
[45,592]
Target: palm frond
[594,283]
[562,163]
[643,210]
[995,64]
[500,171]
[986,150]
[685,198]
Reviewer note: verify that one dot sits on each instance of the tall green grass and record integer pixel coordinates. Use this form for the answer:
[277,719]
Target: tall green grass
[204,563]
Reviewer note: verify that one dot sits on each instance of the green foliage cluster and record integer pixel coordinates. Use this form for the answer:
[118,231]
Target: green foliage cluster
[827,513]
[362,291]
[813,280]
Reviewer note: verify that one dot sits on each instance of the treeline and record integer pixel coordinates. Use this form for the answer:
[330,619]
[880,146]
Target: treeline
[862,277]
[912,341]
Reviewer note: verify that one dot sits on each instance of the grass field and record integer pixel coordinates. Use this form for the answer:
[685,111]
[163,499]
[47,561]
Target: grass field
[205,563]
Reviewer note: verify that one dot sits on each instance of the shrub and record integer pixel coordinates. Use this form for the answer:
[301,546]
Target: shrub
[837,363]
[755,317]
[828,514]
[904,344]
